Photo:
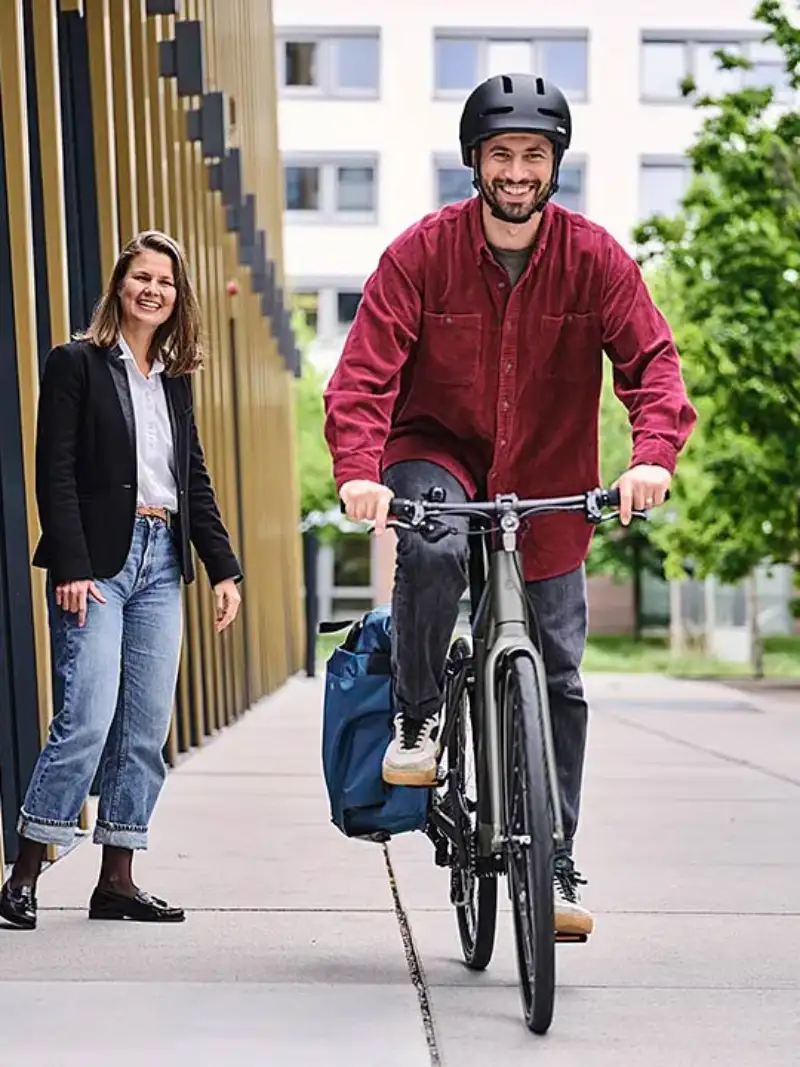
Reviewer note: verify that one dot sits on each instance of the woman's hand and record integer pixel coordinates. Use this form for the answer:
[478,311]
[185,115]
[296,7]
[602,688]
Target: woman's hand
[74,597]
[228,600]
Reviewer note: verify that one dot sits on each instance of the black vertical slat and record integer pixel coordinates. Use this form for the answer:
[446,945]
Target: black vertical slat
[44,341]
[80,187]
[19,719]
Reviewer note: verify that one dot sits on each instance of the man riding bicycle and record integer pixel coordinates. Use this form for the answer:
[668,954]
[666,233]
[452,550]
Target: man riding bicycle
[475,364]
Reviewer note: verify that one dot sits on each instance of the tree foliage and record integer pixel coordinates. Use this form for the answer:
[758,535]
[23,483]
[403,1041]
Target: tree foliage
[729,265]
[317,487]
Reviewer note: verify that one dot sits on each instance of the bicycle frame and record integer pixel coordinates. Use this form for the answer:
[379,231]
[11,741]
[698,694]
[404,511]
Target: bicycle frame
[500,623]
[500,630]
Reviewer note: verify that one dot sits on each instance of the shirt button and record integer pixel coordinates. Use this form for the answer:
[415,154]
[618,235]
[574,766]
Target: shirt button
[509,367]
[501,285]
[506,405]
[503,443]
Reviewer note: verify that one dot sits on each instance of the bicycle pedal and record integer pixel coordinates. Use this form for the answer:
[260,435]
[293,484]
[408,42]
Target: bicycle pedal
[571,939]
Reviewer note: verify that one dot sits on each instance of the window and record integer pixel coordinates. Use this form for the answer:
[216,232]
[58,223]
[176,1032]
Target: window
[662,184]
[454,183]
[462,60]
[302,188]
[329,306]
[667,59]
[302,64]
[322,64]
[570,187]
[331,190]
[355,188]
[347,301]
[664,66]
[456,64]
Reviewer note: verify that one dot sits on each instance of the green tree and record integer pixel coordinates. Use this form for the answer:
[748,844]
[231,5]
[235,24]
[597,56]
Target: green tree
[731,263]
[317,487]
[623,553]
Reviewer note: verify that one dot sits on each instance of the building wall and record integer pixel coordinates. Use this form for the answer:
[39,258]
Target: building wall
[96,99]
[406,126]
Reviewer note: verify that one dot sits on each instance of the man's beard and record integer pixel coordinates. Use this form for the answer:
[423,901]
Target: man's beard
[519,212]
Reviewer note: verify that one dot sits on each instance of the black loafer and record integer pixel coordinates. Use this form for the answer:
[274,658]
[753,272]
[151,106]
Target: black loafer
[18,906]
[142,908]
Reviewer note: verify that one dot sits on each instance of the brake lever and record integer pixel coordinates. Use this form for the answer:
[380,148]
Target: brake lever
[616,514]
[433,531]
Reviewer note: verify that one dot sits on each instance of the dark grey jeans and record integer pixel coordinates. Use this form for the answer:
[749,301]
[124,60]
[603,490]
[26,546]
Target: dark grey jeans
[429,582]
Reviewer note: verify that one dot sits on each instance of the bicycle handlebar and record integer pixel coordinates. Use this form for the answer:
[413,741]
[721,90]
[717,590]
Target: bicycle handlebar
[590,503]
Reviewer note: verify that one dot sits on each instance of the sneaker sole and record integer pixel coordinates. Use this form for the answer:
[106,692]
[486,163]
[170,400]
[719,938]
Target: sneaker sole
[394,776]
[570,927]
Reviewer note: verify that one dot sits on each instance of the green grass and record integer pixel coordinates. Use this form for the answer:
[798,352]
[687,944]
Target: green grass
[622,655]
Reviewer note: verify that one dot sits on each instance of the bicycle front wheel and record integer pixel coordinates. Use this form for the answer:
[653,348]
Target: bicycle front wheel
[529,813]
[473,894]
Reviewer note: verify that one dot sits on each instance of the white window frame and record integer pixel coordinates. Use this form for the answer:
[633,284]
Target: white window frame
[328,214]
[325,39]
[485,37]
[442,160]
[690,39]
[329,329]
[660,161]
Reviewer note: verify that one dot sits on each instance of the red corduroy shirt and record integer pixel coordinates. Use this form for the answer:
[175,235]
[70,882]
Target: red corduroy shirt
[446,362]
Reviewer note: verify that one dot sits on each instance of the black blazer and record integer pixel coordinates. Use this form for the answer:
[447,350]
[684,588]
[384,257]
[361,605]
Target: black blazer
[86,471]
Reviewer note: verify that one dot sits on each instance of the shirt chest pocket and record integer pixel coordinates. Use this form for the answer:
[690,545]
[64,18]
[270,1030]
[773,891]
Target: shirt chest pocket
[568,347]
[450,348]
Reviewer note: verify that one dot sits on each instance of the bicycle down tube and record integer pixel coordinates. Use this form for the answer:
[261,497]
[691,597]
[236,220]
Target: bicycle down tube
[501,630]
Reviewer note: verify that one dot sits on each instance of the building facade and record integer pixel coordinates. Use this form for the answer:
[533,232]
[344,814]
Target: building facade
[117,116]
[371,95]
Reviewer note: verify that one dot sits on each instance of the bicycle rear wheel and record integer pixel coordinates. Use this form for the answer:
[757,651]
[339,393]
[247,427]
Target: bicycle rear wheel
[530,842]
[473,894]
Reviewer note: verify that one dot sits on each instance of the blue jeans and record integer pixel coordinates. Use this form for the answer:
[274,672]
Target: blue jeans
[430,580]
[115,683]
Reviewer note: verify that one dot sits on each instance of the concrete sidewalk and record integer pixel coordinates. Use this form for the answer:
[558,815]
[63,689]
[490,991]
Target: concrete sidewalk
[293,952]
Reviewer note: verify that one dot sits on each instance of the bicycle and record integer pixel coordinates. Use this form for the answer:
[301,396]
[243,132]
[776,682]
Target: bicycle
[496,716]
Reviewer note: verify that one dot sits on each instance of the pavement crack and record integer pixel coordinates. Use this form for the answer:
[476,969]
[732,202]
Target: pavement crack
[725,757]
[414,965]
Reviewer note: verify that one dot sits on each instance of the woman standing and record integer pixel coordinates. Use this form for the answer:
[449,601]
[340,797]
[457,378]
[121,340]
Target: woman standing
[122,489]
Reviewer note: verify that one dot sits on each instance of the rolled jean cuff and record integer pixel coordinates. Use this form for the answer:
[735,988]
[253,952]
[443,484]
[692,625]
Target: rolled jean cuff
[118,835]
[45,831]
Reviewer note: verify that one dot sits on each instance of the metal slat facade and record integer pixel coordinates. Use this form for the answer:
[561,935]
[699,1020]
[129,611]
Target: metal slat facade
[117,116]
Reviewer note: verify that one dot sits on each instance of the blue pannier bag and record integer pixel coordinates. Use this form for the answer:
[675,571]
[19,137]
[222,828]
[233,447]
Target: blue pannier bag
[357,727]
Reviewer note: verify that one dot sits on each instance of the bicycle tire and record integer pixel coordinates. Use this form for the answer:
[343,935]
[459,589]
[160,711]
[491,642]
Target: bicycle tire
[530,865]
[477,917]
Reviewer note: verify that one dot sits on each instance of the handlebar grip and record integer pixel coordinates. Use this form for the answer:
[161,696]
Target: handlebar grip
[399,508]
[612,499]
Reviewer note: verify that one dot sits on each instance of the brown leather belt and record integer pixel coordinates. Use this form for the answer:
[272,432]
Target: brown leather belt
[155,513]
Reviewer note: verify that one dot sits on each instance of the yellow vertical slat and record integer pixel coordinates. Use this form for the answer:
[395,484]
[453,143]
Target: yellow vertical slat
[158,127]
[124,120]
[143,116]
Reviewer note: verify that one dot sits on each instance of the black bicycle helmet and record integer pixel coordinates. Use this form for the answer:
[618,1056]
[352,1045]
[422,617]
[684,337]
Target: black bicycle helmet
[515,103]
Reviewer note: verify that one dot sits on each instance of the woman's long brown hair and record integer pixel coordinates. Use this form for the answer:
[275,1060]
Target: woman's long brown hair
[177,340]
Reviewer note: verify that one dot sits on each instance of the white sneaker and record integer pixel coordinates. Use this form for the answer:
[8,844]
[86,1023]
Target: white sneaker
[411,756]
[571,918]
